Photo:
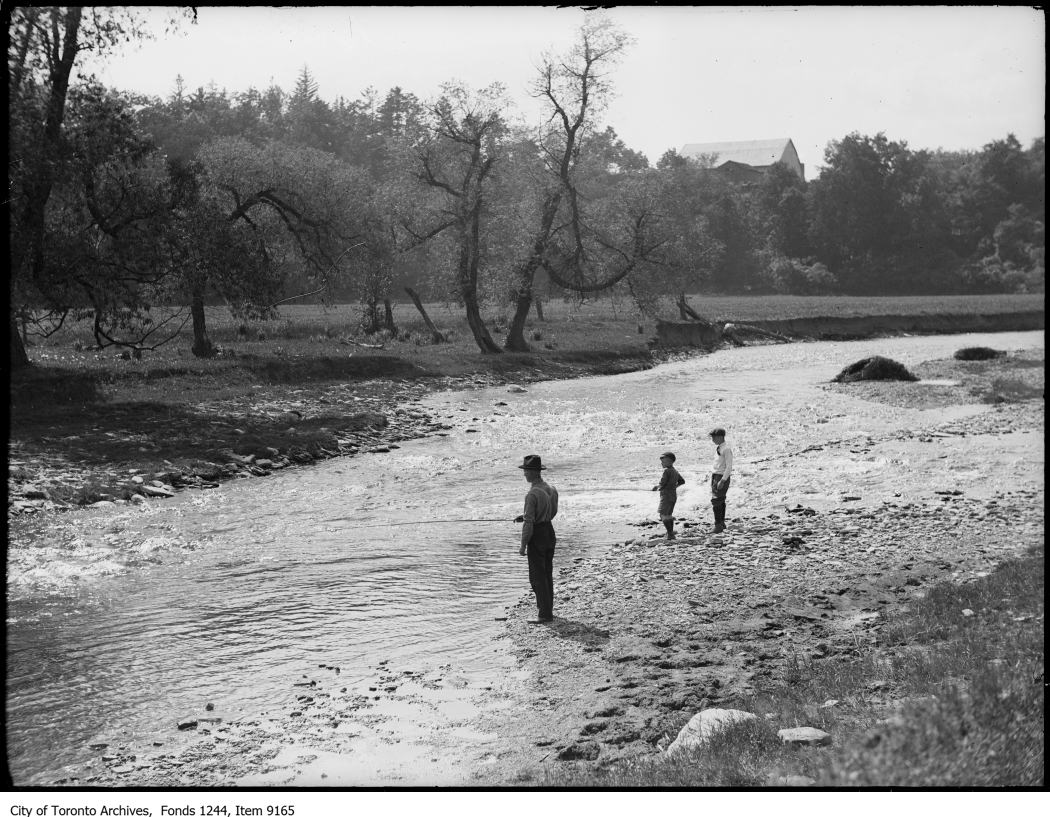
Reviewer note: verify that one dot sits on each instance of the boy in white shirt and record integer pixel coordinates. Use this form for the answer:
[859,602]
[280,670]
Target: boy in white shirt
[721,471]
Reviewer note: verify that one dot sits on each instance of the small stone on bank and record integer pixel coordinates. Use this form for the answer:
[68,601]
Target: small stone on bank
[804,736]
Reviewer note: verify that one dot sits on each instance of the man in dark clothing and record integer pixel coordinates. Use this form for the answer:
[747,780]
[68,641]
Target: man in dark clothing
[537,536]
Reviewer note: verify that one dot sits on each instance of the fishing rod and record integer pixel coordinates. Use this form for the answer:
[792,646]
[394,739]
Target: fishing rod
[605,488]
[428,522]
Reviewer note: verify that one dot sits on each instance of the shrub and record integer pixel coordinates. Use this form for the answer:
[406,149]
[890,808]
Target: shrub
[874,368]
[798,276]
[978,353]
[990,274]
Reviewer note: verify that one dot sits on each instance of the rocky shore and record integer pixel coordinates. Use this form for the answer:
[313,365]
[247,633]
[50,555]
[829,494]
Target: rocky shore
[127,454]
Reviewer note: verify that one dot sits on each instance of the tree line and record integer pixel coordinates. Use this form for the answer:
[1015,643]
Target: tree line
[120,203]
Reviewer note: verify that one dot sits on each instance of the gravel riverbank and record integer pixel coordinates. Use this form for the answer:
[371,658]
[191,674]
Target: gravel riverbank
[653,631]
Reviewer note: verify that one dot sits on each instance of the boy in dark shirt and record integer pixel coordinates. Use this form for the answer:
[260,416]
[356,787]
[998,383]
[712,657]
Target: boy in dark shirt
[668,488]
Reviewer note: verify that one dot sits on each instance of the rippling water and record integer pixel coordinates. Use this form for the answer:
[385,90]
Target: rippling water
[121,621]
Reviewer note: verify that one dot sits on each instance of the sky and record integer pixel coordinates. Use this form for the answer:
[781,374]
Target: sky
[935,77]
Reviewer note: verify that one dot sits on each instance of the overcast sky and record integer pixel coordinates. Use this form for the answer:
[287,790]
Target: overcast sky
[950,77]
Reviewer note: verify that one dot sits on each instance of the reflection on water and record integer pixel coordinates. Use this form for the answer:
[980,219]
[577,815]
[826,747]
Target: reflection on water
[120,623]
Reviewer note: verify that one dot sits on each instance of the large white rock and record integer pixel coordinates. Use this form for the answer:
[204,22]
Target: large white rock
[704,724]
[804,736]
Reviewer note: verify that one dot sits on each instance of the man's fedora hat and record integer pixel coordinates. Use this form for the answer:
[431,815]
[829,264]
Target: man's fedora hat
[533,463]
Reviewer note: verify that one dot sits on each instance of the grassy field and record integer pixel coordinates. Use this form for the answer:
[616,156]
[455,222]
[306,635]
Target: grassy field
[965,669]
[312,344]
[315,331]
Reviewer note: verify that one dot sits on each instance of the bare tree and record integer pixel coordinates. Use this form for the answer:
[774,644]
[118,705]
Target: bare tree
[456,160]
[575,88]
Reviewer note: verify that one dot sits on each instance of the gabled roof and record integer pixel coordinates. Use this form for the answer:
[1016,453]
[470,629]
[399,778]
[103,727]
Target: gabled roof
[757,152]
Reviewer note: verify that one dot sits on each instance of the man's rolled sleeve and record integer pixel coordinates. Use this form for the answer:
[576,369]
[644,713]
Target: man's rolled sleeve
[530,518]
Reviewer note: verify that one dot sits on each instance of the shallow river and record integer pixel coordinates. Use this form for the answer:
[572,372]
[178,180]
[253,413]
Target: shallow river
[121,621]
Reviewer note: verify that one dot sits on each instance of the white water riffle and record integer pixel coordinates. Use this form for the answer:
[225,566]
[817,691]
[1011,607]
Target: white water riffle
[121,620]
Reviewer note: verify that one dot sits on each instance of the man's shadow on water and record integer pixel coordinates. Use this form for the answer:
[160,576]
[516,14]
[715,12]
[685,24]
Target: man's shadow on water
[577,631]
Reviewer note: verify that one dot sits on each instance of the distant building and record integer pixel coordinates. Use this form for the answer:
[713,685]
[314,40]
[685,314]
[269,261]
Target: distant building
[748,161]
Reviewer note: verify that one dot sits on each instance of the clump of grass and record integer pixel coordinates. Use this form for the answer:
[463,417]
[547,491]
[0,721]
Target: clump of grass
[874,368]
[967,673]
[1010,390]
[951,695]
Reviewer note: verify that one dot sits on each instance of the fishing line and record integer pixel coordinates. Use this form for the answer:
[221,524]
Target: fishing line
[424,522]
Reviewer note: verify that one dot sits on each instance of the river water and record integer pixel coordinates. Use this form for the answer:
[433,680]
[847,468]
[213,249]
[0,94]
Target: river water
[120,621]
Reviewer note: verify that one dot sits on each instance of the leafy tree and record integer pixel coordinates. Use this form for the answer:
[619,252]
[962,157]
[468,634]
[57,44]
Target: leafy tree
[184,122]
[690,253]
[877,219]
[43,48]
[105,218]
[252,212]
[780,212]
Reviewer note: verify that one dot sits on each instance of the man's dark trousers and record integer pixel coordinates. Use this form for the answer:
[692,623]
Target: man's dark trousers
[718,498]
[540,552]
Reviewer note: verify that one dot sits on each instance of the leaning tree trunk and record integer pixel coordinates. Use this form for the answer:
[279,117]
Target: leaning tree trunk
[202,346]
[477,326]
[541,241]
[468,284]
[688,313]
[469,291]
[19,358]
[522,304]
[435,335]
